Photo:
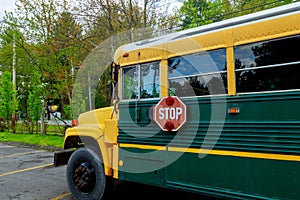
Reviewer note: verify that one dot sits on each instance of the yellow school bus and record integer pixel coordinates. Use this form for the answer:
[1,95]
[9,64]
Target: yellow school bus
[211,110]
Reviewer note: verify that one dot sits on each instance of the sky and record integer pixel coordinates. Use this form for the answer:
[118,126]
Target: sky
[7,5]
[169,5]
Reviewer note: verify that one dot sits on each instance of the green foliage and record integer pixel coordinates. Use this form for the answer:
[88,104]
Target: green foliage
[243,7]
[35,97]
[78,101]
[49,47]
[8,103]
[53,38]
[102,97]
[68,111]
[196,13]
[193,13]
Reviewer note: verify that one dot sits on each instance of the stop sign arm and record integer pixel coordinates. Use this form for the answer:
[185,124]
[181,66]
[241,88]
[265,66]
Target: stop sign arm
[170,113]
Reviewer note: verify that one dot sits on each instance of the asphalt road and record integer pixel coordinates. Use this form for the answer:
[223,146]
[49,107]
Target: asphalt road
[29,174]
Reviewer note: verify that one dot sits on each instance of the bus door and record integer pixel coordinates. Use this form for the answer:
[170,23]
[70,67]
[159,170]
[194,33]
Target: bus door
[139,137]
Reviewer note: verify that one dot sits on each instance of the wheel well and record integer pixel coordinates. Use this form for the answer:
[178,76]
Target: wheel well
[83,141]
[73,142]
[91,143]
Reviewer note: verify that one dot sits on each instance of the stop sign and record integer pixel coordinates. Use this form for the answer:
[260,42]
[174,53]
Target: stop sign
[170,113]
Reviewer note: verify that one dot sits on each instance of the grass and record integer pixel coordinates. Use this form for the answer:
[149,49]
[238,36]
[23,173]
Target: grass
[51,129]
[33,139]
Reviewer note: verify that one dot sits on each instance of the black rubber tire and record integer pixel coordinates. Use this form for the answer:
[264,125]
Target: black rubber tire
[80,156]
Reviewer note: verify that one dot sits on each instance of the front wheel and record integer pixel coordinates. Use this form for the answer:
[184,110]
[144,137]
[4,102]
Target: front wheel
[85,175]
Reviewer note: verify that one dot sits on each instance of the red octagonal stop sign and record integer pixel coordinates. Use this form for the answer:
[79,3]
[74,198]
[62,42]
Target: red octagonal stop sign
[170,113]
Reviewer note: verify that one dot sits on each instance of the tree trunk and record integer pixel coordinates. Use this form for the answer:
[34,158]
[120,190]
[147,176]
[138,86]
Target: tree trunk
[13,122]
[43,127]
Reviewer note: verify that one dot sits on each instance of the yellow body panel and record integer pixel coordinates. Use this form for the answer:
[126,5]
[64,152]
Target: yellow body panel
[97,124]
[199,43]
[164,85]
[266,30]
[95,117]
[230,71]
[111,127]
[139,56]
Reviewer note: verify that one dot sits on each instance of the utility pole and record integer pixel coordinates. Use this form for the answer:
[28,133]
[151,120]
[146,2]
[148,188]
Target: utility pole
[89,90]
[14,116]
[14,63]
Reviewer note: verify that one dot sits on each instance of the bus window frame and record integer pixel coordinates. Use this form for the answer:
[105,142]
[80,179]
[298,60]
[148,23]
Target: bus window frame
[201,74]
[281,64]
[139,65]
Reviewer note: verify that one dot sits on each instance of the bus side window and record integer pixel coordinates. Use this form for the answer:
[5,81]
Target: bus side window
[130,77]
[268,66]
[150,80]
[198,74]
[145,76]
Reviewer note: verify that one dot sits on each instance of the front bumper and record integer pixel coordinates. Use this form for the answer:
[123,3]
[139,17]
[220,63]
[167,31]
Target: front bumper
[62,157]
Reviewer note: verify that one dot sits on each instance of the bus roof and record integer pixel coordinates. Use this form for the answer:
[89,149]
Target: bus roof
[225,24]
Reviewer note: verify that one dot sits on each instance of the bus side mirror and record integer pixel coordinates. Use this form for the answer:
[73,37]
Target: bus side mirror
[114,72]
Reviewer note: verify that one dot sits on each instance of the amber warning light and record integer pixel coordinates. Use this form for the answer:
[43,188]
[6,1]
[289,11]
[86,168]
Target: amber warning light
[75,122]
[234,110]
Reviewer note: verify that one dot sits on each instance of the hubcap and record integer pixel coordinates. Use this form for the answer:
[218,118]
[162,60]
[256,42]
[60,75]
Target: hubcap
[84,177]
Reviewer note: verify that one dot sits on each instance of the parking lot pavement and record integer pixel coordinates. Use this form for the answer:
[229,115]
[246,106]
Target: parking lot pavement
[28,174]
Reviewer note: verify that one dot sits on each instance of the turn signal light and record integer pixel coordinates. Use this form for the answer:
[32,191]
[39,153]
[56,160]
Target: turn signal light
[74,122]
[234,110]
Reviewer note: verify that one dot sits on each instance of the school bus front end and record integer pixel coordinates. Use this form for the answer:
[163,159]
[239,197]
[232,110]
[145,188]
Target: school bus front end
[89,153]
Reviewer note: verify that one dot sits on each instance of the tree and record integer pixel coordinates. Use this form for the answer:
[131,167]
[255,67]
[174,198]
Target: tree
[34,18]
[22,62]
[78,104]
[35,97]
[192,13]
[8,103]
[243,7]
[69,51]
[51,43]
[50,39]
[102,96]
[196,13]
